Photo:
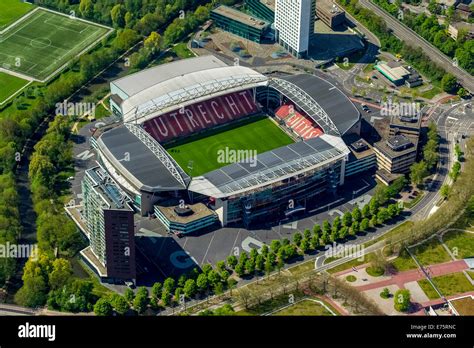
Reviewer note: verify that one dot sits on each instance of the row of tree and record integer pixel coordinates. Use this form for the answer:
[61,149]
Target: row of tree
[225,274]
[420,170]
[48,278]
[433,31]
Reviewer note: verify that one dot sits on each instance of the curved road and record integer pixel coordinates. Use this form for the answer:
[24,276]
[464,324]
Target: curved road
[406,34]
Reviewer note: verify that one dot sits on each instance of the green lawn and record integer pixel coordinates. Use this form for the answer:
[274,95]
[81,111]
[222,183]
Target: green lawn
[304,308]
[45,42]
[9,85]
[11,10]
[431,252]
[404,262]
[450,284]
[182,51]
[429,94]
[260,136]
[460,243]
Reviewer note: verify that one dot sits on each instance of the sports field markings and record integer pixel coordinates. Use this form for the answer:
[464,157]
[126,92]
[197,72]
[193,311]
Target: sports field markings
[38,34]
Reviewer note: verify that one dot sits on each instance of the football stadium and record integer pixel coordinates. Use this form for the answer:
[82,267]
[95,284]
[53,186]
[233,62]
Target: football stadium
[203,143]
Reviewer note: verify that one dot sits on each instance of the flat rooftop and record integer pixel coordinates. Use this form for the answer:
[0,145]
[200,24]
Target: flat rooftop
[359,147]
[334,102]
[403,122]
[384,147]
[240,17]
[395,73]
[199,211]
[399,142]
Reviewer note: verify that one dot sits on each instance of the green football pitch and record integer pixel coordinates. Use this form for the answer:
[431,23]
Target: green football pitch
[261,136]
[11,10]
[9,85]
[43,42]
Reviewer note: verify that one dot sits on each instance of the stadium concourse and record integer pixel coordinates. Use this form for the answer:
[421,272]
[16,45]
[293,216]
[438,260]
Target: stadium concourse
[179,112]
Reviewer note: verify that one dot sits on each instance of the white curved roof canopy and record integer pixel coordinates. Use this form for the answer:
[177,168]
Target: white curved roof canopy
[187,89]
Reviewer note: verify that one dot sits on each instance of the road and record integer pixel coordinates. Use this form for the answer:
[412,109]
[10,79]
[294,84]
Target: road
[406,34]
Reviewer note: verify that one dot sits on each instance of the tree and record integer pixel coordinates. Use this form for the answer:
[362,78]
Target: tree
[343,232]
[444,191]
[356,214]
[240,269]
[156,290]
[153,41]
[307,233]
[129,295]
[355,228]
[103,307]
[347,219]
[117,14]
[166,297]
[374,206]
[449,83]
[253,253]
[220,265]
[382,215]
[169,284]
[336,224]
[364,224]
[259,263]
[317,230]
[297,238]
[232,261]
[366,211]
[268,266]
[314,242]
[250,266]
[61,273]
[374,221]
[392,210]
[140,302]
[207,267]
[418,171]
[181,280]
[213,278]
[177,294]
[202,282]
[190,288]
[120,304]
[275,245]
[402,300]
[326,227]
[304,245]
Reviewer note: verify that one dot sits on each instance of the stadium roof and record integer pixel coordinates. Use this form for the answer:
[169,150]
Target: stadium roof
[272,166]
[335,104]
[143,162]
[138,82]
[184,83]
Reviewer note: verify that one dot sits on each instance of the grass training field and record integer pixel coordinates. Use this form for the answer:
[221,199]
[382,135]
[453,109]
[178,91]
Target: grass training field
[449,284]
[261,135]
[44,41]
[304,308]
[11,10]
[9,85]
